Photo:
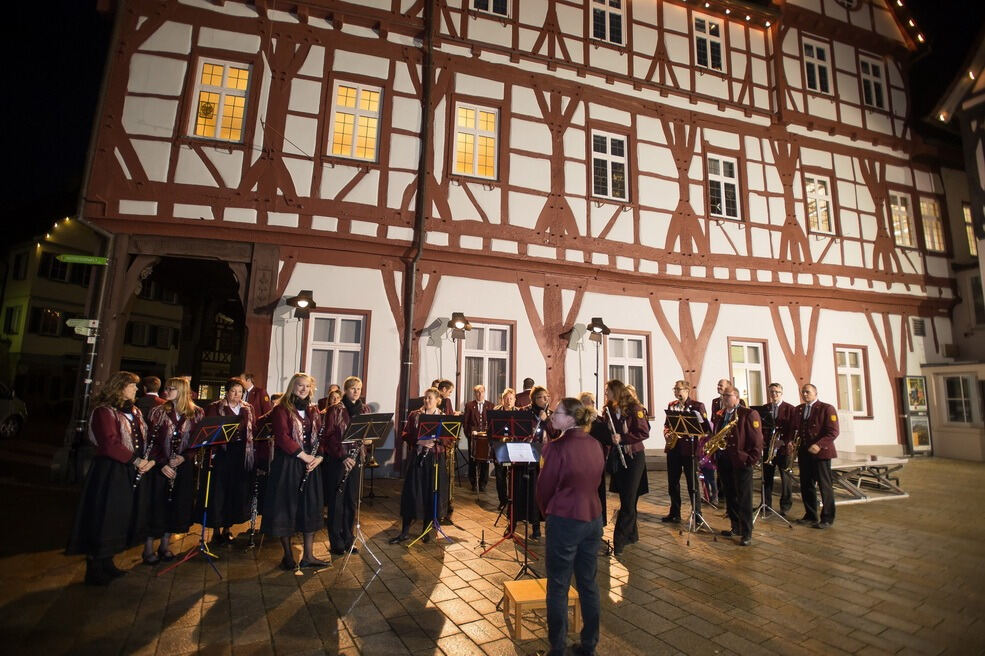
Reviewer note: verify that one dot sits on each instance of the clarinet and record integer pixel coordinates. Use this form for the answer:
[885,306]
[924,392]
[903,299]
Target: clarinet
[314,450]
[354,453]
[133,426]
[174,446]
[618,447]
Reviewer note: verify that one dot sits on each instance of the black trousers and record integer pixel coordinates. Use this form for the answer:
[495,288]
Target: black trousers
[817,472]
[627,481]
[677,464]
[737,483]
[501,482]
[786,483]
[477,467]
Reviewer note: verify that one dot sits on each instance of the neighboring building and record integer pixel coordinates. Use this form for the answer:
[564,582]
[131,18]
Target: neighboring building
[729,186]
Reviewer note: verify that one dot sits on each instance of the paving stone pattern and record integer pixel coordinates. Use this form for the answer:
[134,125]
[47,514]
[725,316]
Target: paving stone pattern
[902,576]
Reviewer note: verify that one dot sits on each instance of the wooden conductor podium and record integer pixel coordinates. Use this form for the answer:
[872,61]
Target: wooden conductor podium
[531,594]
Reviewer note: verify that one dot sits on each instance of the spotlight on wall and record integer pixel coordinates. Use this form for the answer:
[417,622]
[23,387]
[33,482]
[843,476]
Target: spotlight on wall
[597,328]
[303,303]
[459,325]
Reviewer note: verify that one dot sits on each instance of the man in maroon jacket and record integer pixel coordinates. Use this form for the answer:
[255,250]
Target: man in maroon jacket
[743,449]
[257,397]
[476,416]
[680,459]
[783,414]
[523,396]
[817,425]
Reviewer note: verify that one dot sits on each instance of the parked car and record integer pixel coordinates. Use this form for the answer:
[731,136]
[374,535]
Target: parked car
[13,413]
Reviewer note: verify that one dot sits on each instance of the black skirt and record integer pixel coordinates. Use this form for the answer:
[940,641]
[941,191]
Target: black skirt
[417,497]
[174,516]
[524,492]
[620,478]
[286,510]
[229,497]
[111,515]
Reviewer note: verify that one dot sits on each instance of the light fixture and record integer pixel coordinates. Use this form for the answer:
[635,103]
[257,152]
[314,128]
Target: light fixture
[920,38]
[597,328]
[911,23]
[707,4]
[727,11]
[942,117]
[573,336]
[458,324]
[748,17]
[768,23]
[971,74]
[303,303]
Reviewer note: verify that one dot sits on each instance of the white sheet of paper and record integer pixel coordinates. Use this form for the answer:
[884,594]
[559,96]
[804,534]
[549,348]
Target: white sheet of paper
[520,452]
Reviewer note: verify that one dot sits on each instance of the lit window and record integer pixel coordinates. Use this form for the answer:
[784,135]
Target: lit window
[969,229]
[609,166]
[355,121]
[873,82]
[817,63]
[476,132]
[852,379]
[817,191]
[958,398]
[708,43]
[902,220]
[498,7]
[486,359]
[749,370]
[723,187]
[626,358]
[335,347]
[607,20]
[219,111]
[933,228]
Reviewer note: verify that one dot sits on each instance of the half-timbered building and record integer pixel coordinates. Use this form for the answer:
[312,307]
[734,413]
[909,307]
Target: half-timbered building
[730,185]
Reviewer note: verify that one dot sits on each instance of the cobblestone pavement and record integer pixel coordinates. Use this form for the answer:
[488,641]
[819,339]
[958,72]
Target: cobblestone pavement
[900,576]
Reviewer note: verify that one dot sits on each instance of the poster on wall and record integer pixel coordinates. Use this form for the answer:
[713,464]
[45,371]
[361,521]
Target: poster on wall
[918,431]
[915,394]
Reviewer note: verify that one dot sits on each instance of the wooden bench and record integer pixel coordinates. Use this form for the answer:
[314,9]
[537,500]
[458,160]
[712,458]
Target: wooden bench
[531,594]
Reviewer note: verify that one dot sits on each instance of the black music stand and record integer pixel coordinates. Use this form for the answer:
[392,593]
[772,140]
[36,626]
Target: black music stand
[768,424]
[210,433]
[431,428]
[687,425]
[508,427]
[265,434]
[364,429]
[525,454]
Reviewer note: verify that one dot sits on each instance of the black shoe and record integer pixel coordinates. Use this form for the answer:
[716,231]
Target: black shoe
[403,537]
[536,533]
[473,487]
[579,650]
[166,556]
[746,541]
[618,549]
[426,538]
[96,573]
[806,519]
[821,525]
[110,568]
[482,488]
[151,559]
[337,552]
[314,562]
[670,519]
[698,519]
[354,550]
[288,564]
[726,534]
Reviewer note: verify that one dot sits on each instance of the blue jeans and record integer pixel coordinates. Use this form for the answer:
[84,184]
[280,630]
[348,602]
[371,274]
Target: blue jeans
[572,548]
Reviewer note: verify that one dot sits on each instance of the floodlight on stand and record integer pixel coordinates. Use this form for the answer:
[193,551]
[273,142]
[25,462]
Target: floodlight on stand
[459,325]
[597,329]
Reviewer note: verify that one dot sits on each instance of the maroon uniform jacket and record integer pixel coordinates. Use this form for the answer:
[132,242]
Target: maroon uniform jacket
[684,446]
[409,434]
[334,425]
[259,400]
[744,443]
[547,431]
[446,407]
[569,476]
[110,431]
[285,427]
[523,398]
[148,402]
[161,427]
[716,405]
[474,421]
[633,426]
[784,419]
[821,428]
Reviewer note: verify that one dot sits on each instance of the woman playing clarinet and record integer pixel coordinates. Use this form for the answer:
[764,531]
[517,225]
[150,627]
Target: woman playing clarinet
[525,478]
[173,483]
[417,496]
[294,496]
[112,512]
[339,462]
[232,467]
[507,401]
[631,427]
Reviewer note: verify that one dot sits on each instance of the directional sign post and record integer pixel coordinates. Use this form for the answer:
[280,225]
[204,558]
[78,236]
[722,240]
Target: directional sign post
[69,258]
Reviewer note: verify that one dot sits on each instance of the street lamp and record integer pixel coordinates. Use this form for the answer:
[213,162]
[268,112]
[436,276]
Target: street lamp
[303,304]
[596,329]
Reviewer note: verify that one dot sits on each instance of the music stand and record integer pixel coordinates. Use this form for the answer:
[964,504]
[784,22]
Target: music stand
[364,429]
[768,424]
[431,428]
[265,434]
[512,427]
[685,424]
[519,453]
[210,433]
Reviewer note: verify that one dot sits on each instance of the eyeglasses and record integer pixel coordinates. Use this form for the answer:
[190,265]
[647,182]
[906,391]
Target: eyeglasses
[170,389]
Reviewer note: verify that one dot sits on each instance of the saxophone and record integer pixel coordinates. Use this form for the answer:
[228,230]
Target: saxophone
[717,441]
[669,436]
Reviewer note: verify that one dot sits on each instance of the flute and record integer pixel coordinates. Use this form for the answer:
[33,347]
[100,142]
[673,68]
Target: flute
[612,427]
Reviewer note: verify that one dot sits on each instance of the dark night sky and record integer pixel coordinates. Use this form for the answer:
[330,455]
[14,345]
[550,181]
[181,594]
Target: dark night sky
[52,96]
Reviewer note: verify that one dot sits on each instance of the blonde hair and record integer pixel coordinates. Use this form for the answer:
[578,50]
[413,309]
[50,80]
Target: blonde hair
[351,381]
[183,403]
[286,399]
[581,413]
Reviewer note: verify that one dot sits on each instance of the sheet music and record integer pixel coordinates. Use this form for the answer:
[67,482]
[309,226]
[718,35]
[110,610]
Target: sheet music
[520,452]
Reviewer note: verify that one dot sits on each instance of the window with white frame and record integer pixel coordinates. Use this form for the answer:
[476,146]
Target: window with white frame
[708,46]
[607,20]
[498,7]
[851,378]
[748,362]
[933,227]
[486,359]
[958,399]
[336,345]
[476,130]
[219,110]
[902,215]
[609,166]
[873,82]
[969,229]
[817,66]
[723,187]
[817,191]
[355,120]
[626,358]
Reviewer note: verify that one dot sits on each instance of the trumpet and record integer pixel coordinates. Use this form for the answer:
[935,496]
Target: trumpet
[796,442]
[717,441]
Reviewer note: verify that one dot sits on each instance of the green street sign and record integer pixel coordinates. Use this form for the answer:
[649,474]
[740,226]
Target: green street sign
[82,259]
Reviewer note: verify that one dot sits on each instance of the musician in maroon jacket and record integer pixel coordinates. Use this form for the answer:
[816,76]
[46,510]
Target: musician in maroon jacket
[782,414]
[680,459]
[230,492]
[716,403]
[257,397]
[476,414]
[817,425]
[525,477]
[743,449]
[446,388]
[567,497]
[339,464]
[523,396]
[632,427]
